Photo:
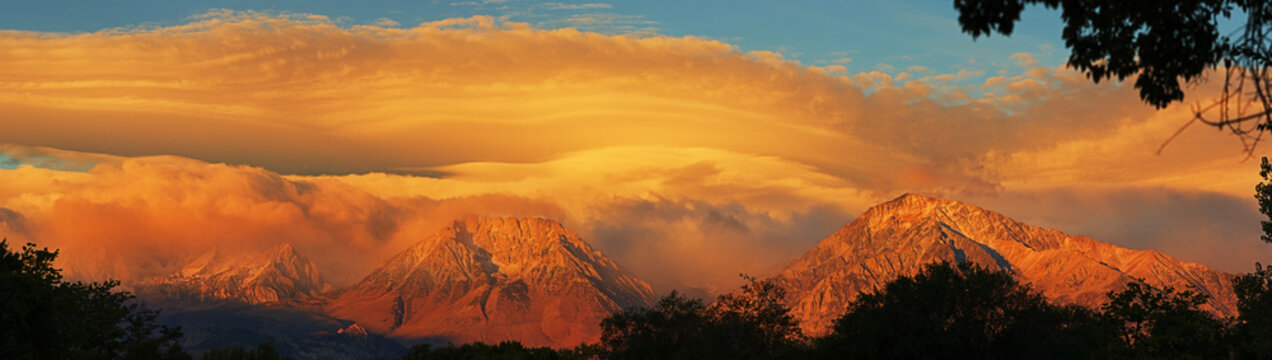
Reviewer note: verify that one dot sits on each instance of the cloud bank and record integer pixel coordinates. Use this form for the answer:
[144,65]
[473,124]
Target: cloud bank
[685,159]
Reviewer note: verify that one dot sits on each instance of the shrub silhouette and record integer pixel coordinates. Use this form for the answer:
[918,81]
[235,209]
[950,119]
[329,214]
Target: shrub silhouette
[1253,327]
[1162,323]
[962,311]
[751,324]
[507,350]
[45,317]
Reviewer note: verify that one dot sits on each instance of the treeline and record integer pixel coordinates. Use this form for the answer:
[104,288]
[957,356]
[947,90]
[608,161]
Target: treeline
[44,317]
[944,312]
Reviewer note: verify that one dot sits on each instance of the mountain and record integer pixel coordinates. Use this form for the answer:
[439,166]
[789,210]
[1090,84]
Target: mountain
[493,279]
[221,300]
[902,235]
[279,275]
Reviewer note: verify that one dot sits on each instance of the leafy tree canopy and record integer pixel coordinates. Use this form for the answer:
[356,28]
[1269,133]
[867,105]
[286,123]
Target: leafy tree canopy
[959,312]
[1254,290]
[45,317]
[507,350]
[1160,43]
[751,324]
[1162,323]
[1254,303]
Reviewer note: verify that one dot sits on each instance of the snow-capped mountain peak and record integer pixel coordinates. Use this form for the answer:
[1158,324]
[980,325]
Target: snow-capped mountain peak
[900,236]
[277,275]
[491,279]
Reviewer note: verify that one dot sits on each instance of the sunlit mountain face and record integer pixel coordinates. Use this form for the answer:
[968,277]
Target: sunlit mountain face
[494,279]
[532,166]
[899,237]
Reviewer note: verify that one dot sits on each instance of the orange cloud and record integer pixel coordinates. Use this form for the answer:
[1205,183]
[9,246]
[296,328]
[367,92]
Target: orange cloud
[142,217]
[298,94]
[360,139]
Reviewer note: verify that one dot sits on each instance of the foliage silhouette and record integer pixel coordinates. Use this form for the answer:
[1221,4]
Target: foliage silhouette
[963,311]
[758,321]
[1162,323]
[1253,327]
[1160,43]
[751,324]
[675,328]
[507,350]
[45,317]
[1263,194]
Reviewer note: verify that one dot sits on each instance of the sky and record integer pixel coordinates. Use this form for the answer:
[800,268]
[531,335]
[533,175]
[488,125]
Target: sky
[137,135]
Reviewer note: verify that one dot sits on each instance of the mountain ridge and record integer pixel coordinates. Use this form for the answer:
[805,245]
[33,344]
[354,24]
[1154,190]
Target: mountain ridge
[532,280]
[277,275]
[899,236]
[492,279]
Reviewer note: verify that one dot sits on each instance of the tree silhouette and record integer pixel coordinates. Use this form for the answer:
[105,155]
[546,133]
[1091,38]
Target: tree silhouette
[1162,323]
[1160,43]
[1253,326]
[1263,194]
[675,328]
[753,323]
[962,312]
[758,321]
[507,350]
[45,317]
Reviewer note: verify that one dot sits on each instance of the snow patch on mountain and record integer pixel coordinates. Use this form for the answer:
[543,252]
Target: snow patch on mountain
[900,236]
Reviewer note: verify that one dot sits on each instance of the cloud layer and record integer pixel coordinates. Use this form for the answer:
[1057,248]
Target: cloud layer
[135,148]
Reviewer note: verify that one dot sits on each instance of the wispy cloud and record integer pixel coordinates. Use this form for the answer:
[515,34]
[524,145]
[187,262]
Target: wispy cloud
[607,23]
[1024,60]
[478,3]
[591,17]
[563,6]
[386,22]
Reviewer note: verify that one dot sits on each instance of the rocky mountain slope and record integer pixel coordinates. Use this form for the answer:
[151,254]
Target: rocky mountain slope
[278,275]
[900,236]
[493,279]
